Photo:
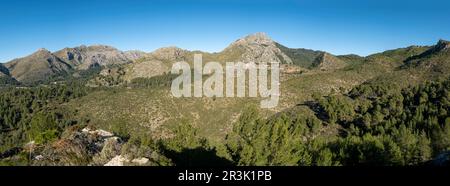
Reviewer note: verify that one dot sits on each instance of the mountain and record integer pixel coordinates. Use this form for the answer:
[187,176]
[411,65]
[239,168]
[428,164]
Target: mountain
[441,48]
[38,66]
[170,54]
[301,57]
[409,66]
[252,48]
[258,48]
[432,63]
[308,58]
[84,57]
[43,65]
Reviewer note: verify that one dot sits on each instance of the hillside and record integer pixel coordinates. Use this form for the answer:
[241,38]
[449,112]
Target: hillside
[390,108]
[37,67]
[85,57]
[154,109]
[327,61]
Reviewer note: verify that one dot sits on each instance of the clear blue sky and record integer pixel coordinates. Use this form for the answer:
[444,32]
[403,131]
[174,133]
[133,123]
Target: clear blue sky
[339,27]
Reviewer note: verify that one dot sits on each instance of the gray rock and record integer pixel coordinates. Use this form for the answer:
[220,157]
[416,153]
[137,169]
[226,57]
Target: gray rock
[259,48]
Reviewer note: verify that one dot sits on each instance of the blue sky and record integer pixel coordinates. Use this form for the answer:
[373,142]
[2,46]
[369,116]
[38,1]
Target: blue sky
[339,27]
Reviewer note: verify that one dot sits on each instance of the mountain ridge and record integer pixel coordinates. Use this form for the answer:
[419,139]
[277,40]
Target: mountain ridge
[37,66]
[258,47]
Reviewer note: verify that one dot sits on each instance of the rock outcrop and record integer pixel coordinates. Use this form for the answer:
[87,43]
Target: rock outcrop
[3,70]
[92,147]
[43,64]
[84,147]
[124,161]
[259,48]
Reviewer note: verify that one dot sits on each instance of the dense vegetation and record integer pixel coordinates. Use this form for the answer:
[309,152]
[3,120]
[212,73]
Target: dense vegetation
[376,124]
[379,126]
[29,113]
[156,81]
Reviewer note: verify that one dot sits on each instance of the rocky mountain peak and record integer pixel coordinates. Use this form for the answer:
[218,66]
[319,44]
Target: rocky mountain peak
[169,53]
[35,67]
[85,57]
[41,51]
[259,38]
[259,48]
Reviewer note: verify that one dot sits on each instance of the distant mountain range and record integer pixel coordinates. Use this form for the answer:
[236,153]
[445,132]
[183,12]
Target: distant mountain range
[258,47]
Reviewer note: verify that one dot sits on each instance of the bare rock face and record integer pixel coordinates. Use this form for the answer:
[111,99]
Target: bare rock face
[259,48]
[73,56]
[85,57]
[172,54]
